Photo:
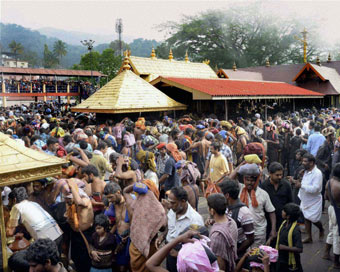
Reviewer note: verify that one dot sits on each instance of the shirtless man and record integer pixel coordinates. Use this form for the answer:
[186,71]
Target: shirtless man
[333,195]
[91,176]
[79,214]
[126,176]
[118,209]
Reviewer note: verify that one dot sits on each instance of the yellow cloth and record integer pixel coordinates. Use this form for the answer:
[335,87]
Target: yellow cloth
[226,124]
[147,157]
[218,166]
[252,158]
[291,258]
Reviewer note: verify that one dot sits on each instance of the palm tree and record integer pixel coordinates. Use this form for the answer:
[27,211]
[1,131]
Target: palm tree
[59,49]
[16,49]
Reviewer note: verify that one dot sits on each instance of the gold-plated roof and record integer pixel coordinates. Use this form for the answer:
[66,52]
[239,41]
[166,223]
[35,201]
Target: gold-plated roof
[20,164]
[151,68]
[128,93]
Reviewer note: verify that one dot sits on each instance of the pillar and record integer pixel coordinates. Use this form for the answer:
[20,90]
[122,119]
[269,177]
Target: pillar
[265,110]
[4,99]
[56,86]
[18,87]
[31,90]
[226,109]
[44,91]
[68,91]
[3,237]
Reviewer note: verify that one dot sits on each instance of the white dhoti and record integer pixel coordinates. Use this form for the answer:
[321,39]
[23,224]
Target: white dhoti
[312,210]
[333,235]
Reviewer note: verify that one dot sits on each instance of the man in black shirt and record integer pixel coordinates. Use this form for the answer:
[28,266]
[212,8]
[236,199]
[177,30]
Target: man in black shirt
[294,145]
[279,191]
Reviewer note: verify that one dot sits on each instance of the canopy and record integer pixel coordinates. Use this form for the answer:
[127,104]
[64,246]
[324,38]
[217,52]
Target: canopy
[20,164]
[128,93]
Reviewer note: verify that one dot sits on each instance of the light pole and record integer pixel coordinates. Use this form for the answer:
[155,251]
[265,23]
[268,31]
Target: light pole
[89,45]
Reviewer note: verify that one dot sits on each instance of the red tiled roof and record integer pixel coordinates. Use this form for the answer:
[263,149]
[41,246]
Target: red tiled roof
[227,87]
[50,72]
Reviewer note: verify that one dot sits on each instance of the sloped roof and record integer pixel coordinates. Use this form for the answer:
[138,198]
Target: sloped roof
[128,93]
[153,67]
[49,72]
[324,73]
[20,164]
[233,89]
[281,73]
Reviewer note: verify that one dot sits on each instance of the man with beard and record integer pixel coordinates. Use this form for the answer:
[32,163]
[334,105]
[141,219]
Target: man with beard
[310,196]
[91,176]
[180,216]
[118,210]
[40,194]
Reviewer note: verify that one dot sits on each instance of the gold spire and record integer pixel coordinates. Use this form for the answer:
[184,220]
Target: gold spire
[304,41]
[186,56]
[126,65]
[267,62]
[318,60]
[234,66]
[171,57]
[329,58]
[206,61]
[129,53]
[153,53]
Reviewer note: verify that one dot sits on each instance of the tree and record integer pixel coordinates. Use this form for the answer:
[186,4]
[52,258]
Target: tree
[109,63]
[244,35]
[16,49]
[32,58]
[50,60]
[115,46]
[59,50]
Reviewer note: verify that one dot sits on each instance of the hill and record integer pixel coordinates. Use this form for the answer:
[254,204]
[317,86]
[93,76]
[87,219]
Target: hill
[33,42]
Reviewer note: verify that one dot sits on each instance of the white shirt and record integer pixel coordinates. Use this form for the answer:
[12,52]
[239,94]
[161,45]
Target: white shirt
[176,226]
[264,205]
[310,194]
[38,222]
[149,174]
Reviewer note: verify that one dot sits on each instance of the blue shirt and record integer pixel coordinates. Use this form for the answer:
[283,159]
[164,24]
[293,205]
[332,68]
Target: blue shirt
[170,169]
[314,142]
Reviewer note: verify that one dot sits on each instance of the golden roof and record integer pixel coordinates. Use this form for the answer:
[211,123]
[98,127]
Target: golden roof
[20,164]
[128,93]
[151,68]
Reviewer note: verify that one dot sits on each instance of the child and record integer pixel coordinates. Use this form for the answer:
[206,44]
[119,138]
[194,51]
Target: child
[102,246]
[288,241]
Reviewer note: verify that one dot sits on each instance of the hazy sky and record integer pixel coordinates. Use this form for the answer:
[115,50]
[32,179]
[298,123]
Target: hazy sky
[141,17]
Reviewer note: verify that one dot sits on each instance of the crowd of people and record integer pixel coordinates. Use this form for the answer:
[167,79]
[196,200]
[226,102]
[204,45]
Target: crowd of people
[12,85]
[132,194]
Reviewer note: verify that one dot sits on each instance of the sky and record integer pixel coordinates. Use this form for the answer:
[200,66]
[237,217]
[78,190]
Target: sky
[141,18]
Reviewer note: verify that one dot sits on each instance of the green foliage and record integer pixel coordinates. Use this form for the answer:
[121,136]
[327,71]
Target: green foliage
[245,36]
[17,49]
[107,63]
[142,48]
[115,46]
[59,50]
[50,60]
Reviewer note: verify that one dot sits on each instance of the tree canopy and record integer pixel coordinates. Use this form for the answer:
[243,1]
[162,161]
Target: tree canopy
[59,50]
[17,49]
[245,36]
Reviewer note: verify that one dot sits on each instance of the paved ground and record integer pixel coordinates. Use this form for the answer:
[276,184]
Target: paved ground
[311,256]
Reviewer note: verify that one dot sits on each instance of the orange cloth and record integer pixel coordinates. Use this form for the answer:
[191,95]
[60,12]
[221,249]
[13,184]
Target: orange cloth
[174,151]
[244,194]
[72,215]
[152,187]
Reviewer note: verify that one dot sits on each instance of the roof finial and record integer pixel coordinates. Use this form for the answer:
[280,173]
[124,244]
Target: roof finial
[234,66]
[267,62]
[129,53]
[171,57]
[318,61]
[186,56]
[206,61]
[153,53]
[329,58]
[126,65]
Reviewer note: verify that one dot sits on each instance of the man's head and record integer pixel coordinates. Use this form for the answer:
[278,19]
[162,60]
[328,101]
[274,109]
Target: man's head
[275,172]
[189,132]
[102,146]
[113,192]
[229,188]
[52,144]
[215,148]
[90,172]
[217,204]
[291,211]
[250,173]
[20,194]
[299,154]
[298,132]
[178,198]
[38,186]
[308,161]
[42,255]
